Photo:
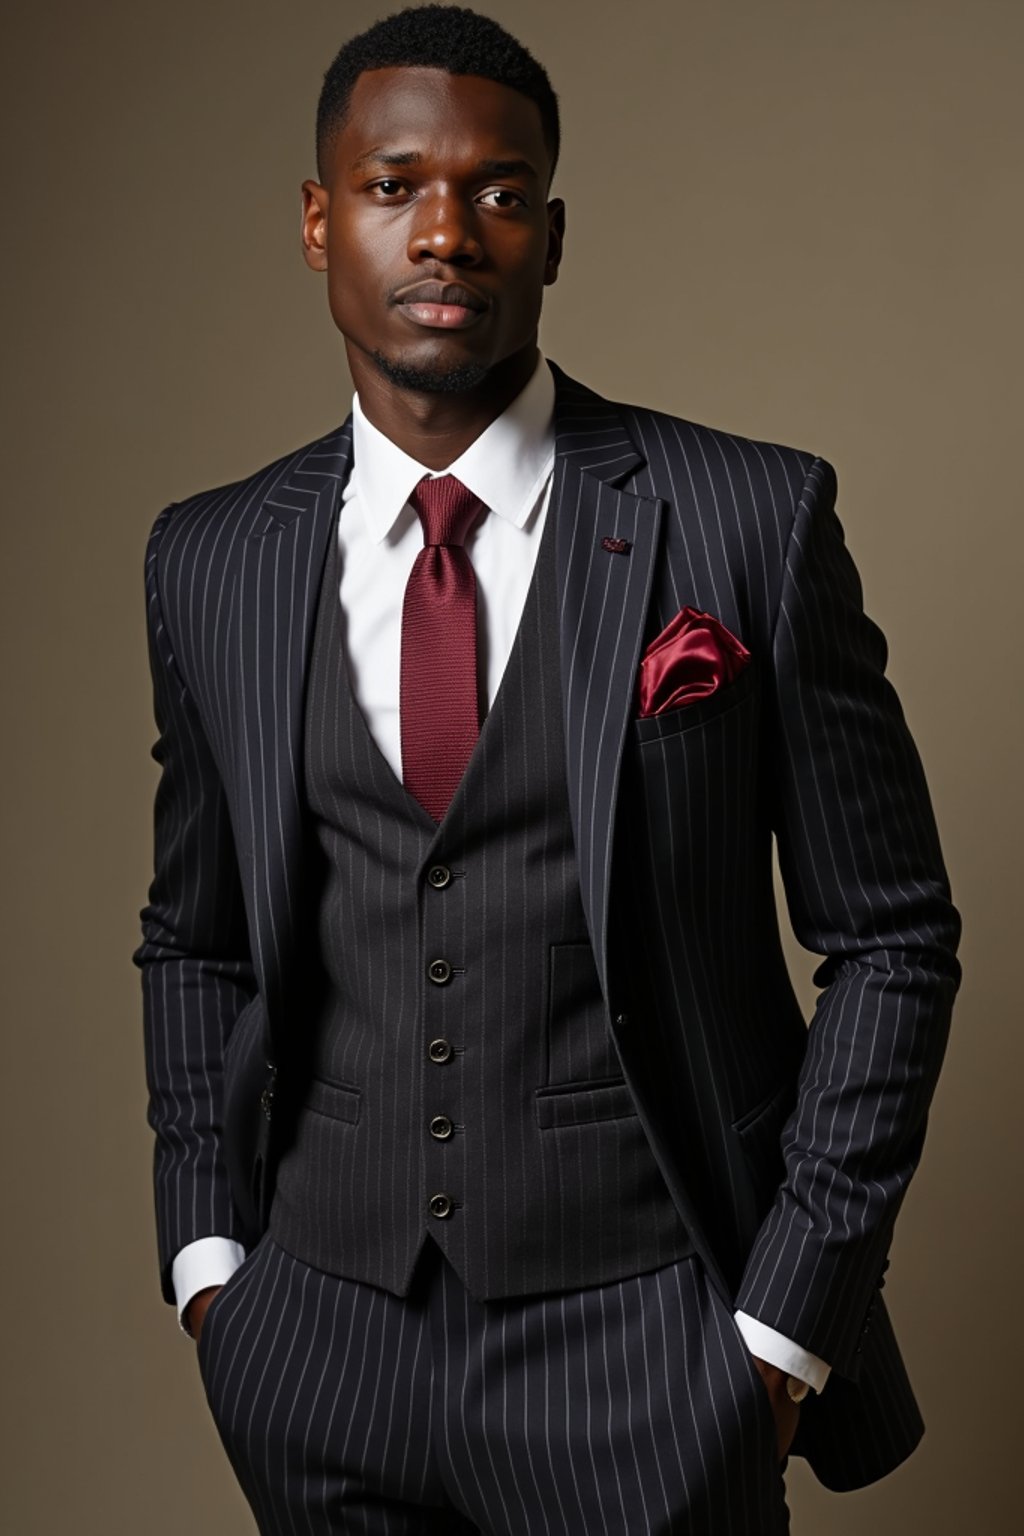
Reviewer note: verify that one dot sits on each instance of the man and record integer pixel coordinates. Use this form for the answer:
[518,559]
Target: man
[498,1176]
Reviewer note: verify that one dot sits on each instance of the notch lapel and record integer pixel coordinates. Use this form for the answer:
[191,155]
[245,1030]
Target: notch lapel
[604,603]
[282,569]
[605,593]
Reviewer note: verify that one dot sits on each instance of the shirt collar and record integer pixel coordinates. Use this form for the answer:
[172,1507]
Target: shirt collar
[506,466]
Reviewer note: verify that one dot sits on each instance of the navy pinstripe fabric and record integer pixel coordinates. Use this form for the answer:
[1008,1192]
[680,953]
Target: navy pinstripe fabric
[787,1152]
[622,1408]
[551,1181]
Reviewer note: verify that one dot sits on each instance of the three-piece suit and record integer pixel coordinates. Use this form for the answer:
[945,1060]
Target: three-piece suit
[453,1084]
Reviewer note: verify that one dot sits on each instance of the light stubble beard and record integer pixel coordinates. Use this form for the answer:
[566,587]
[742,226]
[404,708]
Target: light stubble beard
[441,380]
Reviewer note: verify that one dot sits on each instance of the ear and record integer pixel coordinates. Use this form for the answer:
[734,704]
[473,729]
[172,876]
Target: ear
[556,238]
[315,200]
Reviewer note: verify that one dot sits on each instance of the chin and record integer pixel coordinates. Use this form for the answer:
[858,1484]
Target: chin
[432,376]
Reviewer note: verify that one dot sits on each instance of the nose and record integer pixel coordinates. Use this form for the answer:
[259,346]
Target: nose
[445,231]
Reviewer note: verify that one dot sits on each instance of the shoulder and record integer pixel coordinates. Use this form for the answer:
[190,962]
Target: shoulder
[717,461]
[687,460]
[667,433]
[215,518]
[735,506]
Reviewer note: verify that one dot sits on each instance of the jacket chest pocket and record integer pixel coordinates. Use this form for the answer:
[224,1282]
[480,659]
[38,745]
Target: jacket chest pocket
[735,696]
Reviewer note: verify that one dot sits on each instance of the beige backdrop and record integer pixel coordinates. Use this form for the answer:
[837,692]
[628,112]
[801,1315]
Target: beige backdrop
[798,219]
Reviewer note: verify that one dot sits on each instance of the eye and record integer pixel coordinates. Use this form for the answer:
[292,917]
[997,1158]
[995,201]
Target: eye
[509,198]
[389,186]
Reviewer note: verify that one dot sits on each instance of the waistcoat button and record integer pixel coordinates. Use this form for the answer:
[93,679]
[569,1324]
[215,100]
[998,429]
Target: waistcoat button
[441,1127]
[439,971]
[439,1050]
[439,876]
[440,1205]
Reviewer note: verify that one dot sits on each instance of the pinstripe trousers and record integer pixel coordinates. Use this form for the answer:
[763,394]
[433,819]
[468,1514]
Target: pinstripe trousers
[628,1407]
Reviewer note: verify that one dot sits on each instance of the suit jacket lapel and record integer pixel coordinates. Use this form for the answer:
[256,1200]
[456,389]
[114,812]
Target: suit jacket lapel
[282,568]
[605,596]
[603,610]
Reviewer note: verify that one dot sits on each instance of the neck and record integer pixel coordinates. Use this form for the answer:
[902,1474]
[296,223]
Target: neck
[434,429]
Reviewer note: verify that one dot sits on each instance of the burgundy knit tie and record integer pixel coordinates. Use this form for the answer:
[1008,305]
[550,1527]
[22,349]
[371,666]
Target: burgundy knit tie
[440,711]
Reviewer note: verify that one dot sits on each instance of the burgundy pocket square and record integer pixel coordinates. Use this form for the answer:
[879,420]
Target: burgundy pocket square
[693,657]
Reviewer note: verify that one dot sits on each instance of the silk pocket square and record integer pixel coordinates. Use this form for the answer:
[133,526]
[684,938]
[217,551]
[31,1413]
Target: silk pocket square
[693,657]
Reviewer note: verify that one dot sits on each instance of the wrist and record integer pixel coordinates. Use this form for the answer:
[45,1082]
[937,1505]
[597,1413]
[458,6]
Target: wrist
[194,1311]
[782,1383]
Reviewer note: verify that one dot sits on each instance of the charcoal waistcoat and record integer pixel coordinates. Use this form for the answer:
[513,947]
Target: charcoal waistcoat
[463,1081]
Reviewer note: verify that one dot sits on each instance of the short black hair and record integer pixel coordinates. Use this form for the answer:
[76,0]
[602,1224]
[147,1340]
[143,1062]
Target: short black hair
[449,37]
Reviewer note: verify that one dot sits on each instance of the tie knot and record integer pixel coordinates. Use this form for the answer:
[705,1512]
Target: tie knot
[447,509]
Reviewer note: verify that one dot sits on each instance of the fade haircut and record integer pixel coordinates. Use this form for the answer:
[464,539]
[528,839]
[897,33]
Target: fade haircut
[448,37]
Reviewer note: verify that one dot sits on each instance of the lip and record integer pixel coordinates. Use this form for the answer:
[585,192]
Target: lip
[433,292]
[446,306]
[446,317]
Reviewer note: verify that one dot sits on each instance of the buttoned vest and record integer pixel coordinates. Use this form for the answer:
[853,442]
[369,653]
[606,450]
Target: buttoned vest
[462,1083]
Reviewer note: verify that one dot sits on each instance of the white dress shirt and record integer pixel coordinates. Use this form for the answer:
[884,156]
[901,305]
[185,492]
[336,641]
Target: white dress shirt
[509,467]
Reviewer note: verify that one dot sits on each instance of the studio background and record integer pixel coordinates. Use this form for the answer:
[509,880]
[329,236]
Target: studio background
[798,220]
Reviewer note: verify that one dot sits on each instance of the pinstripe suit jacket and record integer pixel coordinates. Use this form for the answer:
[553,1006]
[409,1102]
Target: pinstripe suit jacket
[787,1150]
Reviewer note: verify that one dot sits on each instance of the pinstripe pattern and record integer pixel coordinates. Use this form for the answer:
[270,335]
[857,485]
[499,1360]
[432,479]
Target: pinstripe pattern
[672,825]
[627,1407]
[220,927]
[552,1181]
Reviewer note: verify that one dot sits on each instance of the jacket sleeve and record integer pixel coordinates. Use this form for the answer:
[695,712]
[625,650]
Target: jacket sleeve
[196,969]
[867,890]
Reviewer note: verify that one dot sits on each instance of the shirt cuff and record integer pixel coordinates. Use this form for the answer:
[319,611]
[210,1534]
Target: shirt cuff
[767,1344]
[207,1261]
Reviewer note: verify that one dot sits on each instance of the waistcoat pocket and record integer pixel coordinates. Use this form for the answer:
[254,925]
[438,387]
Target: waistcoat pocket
[341,1101]
[583,1103]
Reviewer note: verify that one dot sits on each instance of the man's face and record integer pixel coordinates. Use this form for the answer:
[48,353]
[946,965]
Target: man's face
[434,227]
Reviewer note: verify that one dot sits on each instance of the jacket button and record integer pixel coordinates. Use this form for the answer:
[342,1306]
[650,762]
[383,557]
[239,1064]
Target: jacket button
[621,1020]
[441,1127]
[439,971]
[267,1096]
[439,1206]
[439,875]
[439,1050]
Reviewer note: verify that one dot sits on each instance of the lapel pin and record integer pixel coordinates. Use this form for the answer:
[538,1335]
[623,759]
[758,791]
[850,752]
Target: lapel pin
[616,546]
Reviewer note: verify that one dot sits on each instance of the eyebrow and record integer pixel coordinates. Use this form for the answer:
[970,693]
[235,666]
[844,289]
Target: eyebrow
[506,167]
[395,158]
